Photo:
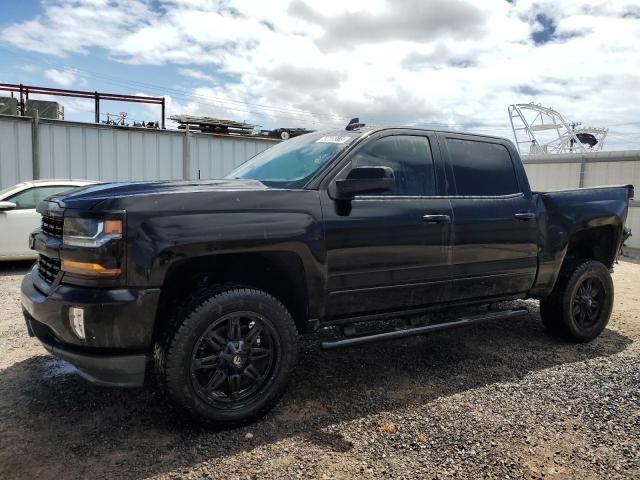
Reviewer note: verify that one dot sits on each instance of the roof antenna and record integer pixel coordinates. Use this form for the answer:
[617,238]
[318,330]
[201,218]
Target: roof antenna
[354,124]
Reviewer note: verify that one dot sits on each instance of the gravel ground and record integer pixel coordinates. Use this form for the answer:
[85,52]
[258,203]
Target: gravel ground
[500,400]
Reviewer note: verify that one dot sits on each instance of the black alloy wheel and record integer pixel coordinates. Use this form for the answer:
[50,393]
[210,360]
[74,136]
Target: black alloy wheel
[233,359]
[586,306]
[581,302]
[230,357]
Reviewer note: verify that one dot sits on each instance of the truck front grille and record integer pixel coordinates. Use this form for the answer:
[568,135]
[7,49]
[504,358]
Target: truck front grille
[48,268]
[52,226]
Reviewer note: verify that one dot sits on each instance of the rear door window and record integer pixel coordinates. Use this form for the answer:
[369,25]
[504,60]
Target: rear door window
[481,168]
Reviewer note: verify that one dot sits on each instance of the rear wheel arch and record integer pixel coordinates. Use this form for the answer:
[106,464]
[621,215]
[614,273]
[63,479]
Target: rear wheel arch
[596,243]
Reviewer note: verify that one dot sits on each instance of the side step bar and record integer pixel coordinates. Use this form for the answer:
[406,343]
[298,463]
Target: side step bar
[408,332]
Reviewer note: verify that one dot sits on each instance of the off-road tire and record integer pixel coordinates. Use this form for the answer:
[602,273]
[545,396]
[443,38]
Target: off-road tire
[559,312]
[174,353]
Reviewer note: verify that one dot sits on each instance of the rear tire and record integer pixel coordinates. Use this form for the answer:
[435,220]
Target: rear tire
[580,305]
[231,356]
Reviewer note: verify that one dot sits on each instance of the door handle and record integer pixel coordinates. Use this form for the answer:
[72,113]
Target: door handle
[525,216]
[436,219]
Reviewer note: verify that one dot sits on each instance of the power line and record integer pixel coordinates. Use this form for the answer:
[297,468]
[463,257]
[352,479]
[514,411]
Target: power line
[314,118]
[274,111]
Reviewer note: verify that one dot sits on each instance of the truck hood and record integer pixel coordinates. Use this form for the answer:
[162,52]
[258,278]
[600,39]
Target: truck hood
[94,195]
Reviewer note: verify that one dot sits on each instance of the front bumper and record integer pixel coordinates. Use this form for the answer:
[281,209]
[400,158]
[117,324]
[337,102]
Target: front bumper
[118,328]
[104,370]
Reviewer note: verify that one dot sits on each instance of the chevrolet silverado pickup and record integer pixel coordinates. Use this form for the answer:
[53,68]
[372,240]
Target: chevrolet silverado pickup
[206,286]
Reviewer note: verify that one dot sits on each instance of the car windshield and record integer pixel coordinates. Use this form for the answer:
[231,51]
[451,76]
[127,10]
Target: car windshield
[290,164]
[4,191]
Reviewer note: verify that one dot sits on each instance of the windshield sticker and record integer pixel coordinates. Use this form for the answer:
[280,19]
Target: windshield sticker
[333,139]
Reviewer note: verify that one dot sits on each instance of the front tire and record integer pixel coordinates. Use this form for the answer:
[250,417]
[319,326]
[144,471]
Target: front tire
[581,302]
[231,357]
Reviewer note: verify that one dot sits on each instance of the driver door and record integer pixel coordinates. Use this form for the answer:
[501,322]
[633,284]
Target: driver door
[383,252]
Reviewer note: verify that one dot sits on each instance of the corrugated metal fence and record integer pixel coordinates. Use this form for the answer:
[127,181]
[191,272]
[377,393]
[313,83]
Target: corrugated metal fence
[16,153]
[572,170]
[101,152]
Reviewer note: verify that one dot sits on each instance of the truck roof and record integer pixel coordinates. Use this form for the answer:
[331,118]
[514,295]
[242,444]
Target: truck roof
[374,128]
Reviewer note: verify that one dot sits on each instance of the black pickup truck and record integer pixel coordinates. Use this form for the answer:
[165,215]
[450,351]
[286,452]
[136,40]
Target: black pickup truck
[208,284]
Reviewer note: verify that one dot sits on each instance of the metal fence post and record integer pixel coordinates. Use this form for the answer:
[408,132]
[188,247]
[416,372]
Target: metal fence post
[96,99]
[583,161]
[35,144]
[163,105]
[186,154]
[22,107]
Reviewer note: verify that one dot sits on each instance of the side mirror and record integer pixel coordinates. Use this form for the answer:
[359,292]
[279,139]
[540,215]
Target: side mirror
[363,180]
[4,206]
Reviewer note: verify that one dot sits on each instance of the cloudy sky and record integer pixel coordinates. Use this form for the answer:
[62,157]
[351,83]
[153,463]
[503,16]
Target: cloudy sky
[311,63]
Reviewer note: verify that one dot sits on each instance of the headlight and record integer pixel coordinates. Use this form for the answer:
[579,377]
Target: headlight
[90,232]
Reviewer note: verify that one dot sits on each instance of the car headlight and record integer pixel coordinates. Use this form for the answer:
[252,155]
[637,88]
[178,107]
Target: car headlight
[90,232]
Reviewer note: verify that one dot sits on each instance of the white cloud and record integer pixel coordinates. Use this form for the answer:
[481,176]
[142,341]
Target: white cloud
[70,26]
[408,61]
[65,78]
[196,75]
[410,20]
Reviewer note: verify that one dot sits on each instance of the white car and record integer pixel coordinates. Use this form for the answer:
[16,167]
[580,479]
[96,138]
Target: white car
[18,216]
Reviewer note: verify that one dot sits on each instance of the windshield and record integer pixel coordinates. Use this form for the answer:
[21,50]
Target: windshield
[4,192]
[290,164]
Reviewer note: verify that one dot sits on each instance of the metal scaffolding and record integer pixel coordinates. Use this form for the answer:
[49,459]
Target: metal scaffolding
[26,90]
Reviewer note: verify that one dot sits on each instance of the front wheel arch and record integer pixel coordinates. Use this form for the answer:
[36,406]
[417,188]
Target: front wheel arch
[284,275]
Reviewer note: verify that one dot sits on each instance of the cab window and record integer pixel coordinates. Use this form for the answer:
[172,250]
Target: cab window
[410,158]
[481,168]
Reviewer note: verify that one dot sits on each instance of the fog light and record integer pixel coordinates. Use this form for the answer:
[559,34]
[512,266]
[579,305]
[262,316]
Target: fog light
[76,319]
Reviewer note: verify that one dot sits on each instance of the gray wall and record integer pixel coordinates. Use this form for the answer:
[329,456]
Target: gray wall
[556,172]
[102,152]
[15,151]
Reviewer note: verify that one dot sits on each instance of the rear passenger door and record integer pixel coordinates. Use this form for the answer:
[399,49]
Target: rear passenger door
[494,231]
